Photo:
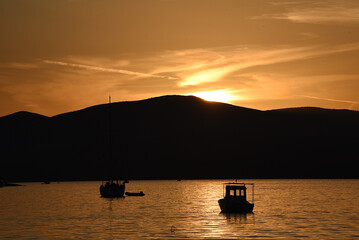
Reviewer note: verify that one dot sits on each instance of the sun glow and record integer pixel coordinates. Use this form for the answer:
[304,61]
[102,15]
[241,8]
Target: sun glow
[205,76]
[216,96]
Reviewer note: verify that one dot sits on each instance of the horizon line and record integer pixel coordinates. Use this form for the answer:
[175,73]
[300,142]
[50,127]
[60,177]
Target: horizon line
[180,95]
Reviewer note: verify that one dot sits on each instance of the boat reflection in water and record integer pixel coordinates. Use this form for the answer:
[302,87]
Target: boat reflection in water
[235,198]
[247,218]
[112,189]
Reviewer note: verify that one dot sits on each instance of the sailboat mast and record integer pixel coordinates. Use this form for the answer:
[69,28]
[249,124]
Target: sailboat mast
[110,138]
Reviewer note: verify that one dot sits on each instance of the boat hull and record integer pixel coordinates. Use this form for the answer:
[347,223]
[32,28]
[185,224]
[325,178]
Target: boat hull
[112,191]
[228,205]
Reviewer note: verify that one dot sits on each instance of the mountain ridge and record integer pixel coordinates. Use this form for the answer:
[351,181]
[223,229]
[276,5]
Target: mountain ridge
[288,109]
[200,138]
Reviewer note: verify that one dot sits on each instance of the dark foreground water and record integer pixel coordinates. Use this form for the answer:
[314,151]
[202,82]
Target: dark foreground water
[289,209]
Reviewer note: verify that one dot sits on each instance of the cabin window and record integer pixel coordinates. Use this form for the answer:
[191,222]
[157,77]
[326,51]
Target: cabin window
[231,193]
[238,193]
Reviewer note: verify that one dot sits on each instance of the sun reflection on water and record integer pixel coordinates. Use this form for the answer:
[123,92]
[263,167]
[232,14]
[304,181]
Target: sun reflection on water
[289,209]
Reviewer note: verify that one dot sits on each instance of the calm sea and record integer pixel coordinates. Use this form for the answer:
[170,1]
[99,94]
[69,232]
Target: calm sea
[289,209]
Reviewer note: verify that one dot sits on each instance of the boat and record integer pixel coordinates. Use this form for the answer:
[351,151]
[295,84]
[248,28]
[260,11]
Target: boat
[140,194]
[4,183]
[235,198]
[114,187]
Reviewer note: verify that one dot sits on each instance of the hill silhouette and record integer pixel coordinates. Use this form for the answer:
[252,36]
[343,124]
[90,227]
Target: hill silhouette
[178,137]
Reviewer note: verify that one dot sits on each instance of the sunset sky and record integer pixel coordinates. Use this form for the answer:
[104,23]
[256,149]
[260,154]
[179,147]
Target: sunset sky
[63,55]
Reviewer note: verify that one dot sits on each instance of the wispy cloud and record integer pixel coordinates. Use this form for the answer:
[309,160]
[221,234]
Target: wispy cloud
[292,88]
[203,66]
[193,68]
[330,99]
[103,69]
[22,66]
[317,12]
[322,15]
[207,75]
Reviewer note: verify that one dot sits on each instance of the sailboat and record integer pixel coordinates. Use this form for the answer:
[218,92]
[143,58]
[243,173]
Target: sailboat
[114,187]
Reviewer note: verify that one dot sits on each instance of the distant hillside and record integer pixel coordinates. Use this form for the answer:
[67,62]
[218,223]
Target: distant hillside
[173,137]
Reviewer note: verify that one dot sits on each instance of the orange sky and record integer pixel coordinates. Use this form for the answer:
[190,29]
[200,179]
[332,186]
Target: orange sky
[63,55]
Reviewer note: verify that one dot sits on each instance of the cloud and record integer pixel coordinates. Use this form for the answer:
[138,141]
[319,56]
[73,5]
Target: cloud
[22,66]
[330,99]
[103,69]
[291,88]
[322,15]
[238,72]
[353,105]
[203,66]
[317,12]
[208,75]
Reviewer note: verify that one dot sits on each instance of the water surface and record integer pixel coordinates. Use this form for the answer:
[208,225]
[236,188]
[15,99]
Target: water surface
[188,209]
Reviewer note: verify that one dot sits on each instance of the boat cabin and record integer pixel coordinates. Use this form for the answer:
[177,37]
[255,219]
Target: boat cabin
[237,191]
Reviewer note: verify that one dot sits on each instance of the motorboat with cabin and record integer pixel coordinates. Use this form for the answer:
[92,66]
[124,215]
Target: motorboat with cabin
[235,198]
